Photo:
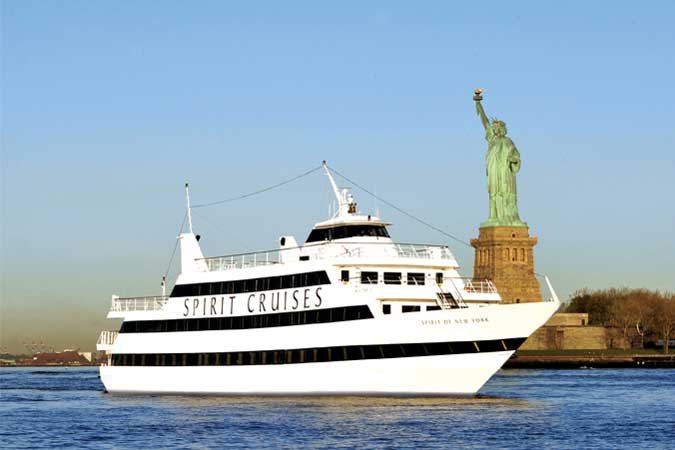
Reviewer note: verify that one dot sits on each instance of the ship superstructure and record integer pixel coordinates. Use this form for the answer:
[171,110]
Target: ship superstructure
[350,311]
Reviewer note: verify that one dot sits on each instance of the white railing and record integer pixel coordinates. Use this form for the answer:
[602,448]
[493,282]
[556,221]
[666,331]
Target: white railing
[479,287]
[150,303]
[107,337]
[423,251]
[329,250]
[243,260]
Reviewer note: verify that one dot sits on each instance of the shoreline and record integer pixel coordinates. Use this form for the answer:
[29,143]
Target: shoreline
[589,359]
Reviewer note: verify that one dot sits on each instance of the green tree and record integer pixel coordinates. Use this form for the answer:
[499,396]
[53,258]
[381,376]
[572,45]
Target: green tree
[597,304]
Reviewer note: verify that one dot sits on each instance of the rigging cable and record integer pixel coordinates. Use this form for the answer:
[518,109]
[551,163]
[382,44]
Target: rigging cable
[412,216]
[260,191]
[220,229]
[175,246]
[461,241]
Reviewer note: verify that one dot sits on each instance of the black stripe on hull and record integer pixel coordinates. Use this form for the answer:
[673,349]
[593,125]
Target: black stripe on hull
[288,281]
[318,354]
[292,318]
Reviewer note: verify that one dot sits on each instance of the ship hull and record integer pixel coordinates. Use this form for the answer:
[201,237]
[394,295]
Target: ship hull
[463,370]
[425,375]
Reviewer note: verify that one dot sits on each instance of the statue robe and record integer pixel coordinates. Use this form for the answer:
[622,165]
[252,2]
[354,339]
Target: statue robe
[502,162]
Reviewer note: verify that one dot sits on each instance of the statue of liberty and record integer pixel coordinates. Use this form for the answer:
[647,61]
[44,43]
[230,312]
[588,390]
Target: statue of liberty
[503,162]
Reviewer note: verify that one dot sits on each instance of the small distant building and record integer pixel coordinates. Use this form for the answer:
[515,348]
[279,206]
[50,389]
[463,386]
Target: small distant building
[64,358]
[570,331]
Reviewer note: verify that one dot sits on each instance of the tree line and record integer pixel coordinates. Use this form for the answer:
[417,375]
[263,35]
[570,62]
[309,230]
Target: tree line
[640,312]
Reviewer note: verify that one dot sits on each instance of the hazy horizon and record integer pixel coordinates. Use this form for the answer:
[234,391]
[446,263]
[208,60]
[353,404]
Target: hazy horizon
[108,108]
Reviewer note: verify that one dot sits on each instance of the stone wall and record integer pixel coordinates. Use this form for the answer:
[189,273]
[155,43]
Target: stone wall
[505,256]
[553,337]
[568,319]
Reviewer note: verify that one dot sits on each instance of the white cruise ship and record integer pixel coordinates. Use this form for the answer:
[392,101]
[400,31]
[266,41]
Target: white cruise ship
[350,311]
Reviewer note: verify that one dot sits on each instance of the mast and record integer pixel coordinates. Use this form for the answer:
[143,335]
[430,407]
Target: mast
[336,191]
[346,204]
[189,210]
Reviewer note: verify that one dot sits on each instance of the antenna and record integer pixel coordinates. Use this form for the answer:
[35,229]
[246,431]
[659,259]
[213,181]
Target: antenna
[377,205]
[189,210]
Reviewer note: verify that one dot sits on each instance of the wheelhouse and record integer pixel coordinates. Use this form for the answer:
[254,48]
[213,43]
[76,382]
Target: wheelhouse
[348,231]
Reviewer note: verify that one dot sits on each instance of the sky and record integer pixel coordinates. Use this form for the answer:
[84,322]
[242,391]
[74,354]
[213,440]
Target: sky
[108,108]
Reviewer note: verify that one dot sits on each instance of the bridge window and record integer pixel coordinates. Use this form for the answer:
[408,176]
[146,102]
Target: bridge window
[392,278]
[369,277]
[347,231]
[415,278]
[410,308]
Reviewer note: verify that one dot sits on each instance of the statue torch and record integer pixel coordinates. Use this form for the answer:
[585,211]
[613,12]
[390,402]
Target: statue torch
[477,95]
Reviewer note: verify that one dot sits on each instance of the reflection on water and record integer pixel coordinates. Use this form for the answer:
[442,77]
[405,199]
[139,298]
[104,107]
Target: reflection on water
[517,409]
[328,402]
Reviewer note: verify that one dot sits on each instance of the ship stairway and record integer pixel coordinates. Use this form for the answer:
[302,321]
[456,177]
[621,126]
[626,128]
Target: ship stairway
[448,301]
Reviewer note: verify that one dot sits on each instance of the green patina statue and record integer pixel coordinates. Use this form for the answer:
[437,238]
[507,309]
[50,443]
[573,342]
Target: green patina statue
[503,162]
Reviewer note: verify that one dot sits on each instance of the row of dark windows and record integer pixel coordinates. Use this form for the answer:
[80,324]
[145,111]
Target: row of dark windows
[347,231]
[386,309]
[309,355]
[325,315]
[290,281]
[413,278]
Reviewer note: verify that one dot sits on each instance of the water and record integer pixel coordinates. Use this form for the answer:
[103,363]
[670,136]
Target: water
[612,408]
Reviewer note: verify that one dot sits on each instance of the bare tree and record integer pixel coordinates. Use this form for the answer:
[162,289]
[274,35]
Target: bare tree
[664,318]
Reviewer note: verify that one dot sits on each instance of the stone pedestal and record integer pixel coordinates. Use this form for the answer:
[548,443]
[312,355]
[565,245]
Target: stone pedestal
[505,256]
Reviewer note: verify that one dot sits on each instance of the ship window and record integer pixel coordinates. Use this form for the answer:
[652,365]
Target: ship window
[433,308]
[410,308]
[322,355]
[344,276]
[490,346]
[392,278]
[347,231]
[439,277]
[391,351]
[318,235]
[369,277]
[386,309]
[415,278]
[324,315]
[252,285]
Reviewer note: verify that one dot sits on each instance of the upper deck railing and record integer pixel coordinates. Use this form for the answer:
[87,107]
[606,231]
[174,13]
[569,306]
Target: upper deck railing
[107,337]
[149,303]
[328,250]
[479,287]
